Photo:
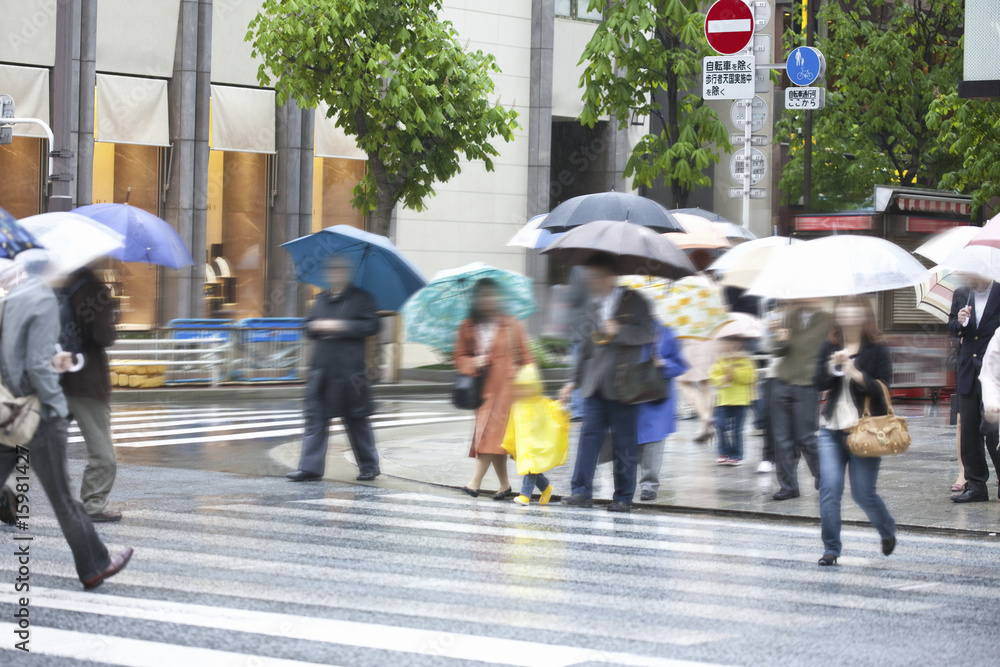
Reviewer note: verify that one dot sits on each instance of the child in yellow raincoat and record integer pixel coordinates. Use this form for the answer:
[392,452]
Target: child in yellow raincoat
[537,434]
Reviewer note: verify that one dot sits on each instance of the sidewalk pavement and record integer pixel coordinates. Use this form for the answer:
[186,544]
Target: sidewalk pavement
[915,486]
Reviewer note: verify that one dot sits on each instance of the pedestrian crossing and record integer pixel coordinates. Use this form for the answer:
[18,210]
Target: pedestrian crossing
[337,574]
[183,426]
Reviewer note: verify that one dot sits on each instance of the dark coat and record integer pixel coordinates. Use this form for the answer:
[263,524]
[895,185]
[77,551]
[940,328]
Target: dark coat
[338,385]
[974,339]
[875,364]
[94,319]
[597,366]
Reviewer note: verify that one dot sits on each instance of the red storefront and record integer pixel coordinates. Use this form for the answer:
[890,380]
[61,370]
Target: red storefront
[907,217]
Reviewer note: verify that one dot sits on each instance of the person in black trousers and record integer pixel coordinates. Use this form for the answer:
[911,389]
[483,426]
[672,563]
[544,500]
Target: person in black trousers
[339,386]
[975,315]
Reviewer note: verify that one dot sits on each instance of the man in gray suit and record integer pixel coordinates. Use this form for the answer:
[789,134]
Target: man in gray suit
[29,330]
[618,325]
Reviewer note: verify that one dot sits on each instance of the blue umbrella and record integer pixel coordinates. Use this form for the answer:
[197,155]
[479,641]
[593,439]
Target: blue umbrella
[13,237]
[379,266]
[148,239]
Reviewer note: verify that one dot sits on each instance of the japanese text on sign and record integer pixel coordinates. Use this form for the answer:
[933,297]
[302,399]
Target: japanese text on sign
[809,98]
[728,78]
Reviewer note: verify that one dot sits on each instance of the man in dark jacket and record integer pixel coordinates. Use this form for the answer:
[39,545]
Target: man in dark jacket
[618,325]
[88,324]
[975,315]
[338,385]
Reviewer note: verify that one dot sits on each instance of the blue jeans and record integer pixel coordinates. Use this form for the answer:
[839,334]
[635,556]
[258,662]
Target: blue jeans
[576,398]
[729,425]
[600,415]
[530,481]
[834,458]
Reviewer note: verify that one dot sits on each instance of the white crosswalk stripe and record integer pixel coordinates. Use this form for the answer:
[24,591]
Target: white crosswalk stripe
[157,428]
[392,578]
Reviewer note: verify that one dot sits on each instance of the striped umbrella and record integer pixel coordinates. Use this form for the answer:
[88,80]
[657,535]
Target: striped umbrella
[934,295]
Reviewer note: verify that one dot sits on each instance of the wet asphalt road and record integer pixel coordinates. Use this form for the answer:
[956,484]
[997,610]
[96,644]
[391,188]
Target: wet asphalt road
[236,566]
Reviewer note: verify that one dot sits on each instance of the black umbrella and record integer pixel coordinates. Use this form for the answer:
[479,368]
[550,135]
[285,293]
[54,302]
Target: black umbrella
[639,250]
[610,206]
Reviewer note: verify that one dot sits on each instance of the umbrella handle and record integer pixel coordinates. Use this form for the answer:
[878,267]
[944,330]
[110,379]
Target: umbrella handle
[78,360]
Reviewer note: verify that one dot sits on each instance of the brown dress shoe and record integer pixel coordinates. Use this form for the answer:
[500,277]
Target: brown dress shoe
[106,517]
[117,564]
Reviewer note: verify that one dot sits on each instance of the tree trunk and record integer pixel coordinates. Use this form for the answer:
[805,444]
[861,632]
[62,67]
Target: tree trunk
[381,220]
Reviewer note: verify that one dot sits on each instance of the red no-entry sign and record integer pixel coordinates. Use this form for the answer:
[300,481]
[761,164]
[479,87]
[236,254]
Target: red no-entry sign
[729,26]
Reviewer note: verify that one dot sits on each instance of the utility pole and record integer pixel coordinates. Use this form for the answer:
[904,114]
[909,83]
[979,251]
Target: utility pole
[807,158]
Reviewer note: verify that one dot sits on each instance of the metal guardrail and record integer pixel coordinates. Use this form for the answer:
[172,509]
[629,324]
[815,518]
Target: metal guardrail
[218,351]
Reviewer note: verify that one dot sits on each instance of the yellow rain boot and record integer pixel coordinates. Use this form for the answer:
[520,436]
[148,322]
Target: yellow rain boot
[546,495]
[522,500]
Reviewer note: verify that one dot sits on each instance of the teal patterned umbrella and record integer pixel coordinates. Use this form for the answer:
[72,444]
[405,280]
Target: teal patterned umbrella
[432,315]
[13,237]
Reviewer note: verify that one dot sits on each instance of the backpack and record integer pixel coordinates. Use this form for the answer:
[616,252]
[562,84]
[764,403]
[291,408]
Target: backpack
[69,331]
[19,416]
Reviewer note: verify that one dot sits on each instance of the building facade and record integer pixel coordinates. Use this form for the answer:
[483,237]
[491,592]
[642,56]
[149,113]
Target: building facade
[156,103]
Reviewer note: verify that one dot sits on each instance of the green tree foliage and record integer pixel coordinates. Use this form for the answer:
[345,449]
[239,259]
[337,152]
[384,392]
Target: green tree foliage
[396,79]
[887,62]
[971,131]
[641,48]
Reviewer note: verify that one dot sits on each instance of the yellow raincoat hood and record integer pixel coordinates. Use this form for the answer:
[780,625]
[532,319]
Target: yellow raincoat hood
[538,429]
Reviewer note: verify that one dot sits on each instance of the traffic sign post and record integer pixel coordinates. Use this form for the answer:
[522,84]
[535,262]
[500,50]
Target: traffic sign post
[805,98]
[755,109]
[728,78]
[729,26]
[6,111]
[806,65]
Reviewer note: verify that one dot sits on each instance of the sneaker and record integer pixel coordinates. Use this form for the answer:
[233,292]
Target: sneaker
[522,500]
[733,461]
[577,500]
[722,460]
[765,467]
[546,496]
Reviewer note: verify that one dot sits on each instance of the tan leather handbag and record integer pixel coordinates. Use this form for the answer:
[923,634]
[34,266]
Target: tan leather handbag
[886,435]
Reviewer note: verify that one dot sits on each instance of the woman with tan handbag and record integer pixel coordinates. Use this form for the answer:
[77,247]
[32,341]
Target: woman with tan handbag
[492,344]
[854,368]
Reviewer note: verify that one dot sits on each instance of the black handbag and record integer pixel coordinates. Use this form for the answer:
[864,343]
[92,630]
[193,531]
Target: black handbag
[467,392]
[642,382]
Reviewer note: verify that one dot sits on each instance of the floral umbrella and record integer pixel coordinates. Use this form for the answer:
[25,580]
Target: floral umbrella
[694,308]
[432,315]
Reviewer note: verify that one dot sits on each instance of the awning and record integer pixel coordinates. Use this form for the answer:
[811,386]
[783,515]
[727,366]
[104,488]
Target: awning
[131,110]
[126,44]
[28,32]
[932,205]
[29,86]
[828,223]
[331,140]
[243,119]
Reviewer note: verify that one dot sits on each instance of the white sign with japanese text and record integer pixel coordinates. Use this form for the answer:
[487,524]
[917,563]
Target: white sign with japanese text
[805,98]
[728,77]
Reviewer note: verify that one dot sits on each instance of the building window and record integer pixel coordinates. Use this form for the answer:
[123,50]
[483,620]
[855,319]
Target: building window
[578,9]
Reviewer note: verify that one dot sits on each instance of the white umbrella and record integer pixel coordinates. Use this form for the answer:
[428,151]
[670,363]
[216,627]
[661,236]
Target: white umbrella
[741,265]
[838,266]
[941,245]
[530,236]
[72,240]
[741,325]
[978,259]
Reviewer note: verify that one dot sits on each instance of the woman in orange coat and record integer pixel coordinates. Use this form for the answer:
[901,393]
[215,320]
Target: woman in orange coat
[493,343]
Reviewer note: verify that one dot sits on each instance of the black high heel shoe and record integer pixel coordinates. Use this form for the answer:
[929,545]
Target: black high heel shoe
[504,495]
[888,545]
[472,492]
[828,560]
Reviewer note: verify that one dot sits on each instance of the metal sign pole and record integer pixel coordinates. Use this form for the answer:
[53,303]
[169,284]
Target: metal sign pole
[747,135]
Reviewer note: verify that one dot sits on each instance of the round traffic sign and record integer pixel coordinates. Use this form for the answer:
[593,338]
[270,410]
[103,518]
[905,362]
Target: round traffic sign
[805,65]
[758,113]
[729,26]
[761,14]
[757,169]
